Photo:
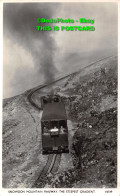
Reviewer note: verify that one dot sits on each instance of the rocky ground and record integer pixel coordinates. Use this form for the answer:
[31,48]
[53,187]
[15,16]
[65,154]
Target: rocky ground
[90,97]
[22,157]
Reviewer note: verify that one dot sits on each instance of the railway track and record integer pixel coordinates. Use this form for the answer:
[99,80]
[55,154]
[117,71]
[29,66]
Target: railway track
[50,167]
[29,94]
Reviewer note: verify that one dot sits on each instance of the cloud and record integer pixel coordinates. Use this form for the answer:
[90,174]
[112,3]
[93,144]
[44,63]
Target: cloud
[20,27]
[17,70]
[105,34]
[33,56]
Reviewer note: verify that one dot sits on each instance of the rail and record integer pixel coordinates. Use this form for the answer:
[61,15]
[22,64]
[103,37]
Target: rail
[50,167]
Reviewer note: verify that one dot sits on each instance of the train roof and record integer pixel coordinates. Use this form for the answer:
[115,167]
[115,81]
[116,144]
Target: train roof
[54,111]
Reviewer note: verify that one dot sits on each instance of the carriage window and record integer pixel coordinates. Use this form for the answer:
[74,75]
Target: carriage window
[62,126]
[45,127]
[54,124]
[62,123]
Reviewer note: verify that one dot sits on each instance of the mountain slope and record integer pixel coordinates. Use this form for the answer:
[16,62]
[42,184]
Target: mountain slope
[90,97]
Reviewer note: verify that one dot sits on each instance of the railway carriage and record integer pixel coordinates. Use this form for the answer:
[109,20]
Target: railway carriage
[54,128]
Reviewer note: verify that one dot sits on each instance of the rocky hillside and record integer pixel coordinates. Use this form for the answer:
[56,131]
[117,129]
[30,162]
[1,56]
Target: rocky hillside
[90,97]
[21,143]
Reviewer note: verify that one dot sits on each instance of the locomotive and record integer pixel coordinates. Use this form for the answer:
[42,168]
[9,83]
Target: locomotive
[54,126]
[50,99]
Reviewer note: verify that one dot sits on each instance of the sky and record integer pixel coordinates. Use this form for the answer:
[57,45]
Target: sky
[31,57]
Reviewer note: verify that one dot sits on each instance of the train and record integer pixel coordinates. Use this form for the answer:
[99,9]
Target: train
[50,99]
[54,127]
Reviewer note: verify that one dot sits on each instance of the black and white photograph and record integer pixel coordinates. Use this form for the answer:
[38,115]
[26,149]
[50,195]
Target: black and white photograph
[60,81]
